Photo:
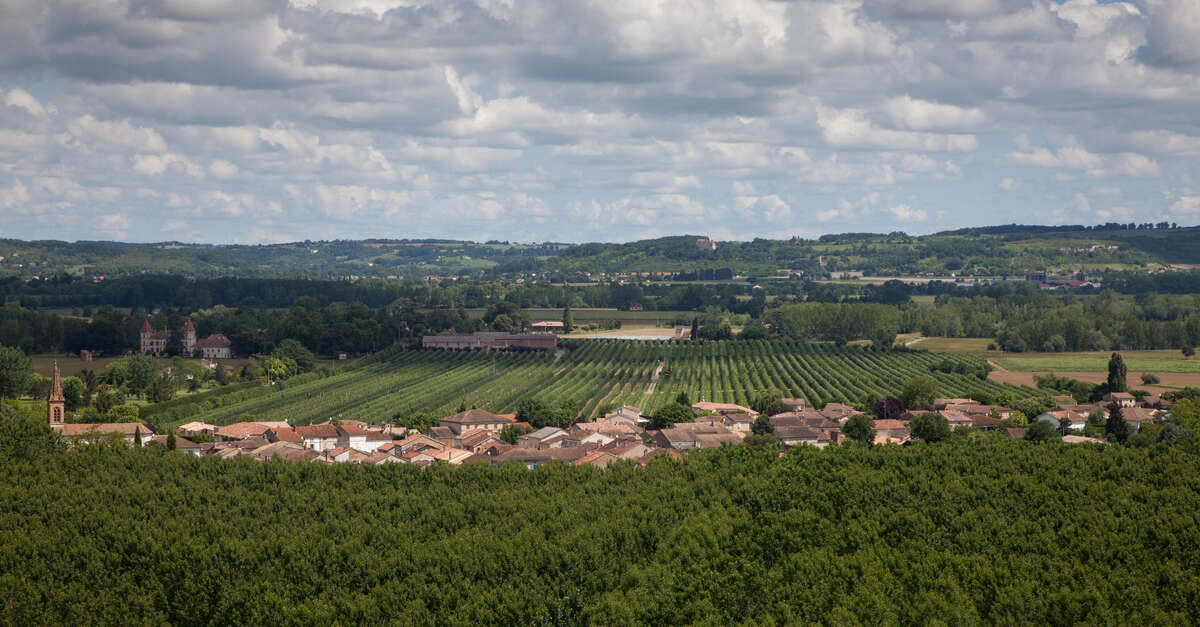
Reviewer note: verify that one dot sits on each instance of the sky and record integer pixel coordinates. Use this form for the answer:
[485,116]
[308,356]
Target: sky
[260,121]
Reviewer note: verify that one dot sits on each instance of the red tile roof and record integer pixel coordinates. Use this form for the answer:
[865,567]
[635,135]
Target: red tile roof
[323,430]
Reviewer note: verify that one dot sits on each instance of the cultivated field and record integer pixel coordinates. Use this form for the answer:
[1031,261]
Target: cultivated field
[1167,380]
[598,374]
[1159,361]
[950,344]
[1155,361]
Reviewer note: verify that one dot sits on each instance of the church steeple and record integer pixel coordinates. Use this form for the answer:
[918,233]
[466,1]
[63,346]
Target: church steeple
[56,404]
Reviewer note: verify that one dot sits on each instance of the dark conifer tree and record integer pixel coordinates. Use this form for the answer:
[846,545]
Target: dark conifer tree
[1116,373]
[1116,427]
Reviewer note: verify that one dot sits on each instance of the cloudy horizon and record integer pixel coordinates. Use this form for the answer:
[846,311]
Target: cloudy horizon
[260,121]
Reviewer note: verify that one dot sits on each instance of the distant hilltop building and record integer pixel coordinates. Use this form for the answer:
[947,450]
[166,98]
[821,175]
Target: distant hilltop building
[488,340]
[215,346]
[705,243]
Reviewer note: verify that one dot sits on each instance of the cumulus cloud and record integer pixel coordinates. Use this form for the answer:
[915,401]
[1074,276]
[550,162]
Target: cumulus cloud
[1172,34]
[1120,165]
[553,119]
[924,115]
[852,128]
[906,213]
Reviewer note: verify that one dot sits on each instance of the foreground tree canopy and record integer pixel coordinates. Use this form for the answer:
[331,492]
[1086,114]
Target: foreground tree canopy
[962,532]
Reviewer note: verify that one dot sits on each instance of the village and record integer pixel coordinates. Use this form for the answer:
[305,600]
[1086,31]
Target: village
[476,435]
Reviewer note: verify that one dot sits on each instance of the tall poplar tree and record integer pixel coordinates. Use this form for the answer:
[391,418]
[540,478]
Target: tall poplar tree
[1116,373]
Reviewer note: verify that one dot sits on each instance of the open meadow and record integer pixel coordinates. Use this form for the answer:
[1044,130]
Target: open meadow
[1160,361]
[1151,361]
[71,366]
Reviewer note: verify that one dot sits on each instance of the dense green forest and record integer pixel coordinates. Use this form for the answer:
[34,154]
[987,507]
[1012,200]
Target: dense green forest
[323,259]
[960,532]
[994,251]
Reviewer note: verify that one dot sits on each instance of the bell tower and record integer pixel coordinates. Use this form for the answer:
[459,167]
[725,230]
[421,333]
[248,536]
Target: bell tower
[189,337]
[56,405]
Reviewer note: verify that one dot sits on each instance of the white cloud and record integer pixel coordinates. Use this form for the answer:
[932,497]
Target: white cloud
[1187,205]
[851,128]
[1115,214]
[905,213]
[155,165]
[222,169]
[1173,32]
[22,99]
[923,115]
[113,224]
[1128,165]
[104,135]
[589,120]
[1120,165]
[1064,157]
[1080,202]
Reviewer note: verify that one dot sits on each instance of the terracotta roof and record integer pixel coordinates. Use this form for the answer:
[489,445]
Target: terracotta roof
[453,456]
[659,452]
[286,451]
[476,439]
[320,431]
[888,425]
[196,426]
[796,432]
[285,435]
[1138,414]
[612,428]
[476,417]
[439,433]
[240,430]
[420,439]
[274,424]
[722,407]
[248,443]
[104,428]
[216,340]
[600,459]
[539,455]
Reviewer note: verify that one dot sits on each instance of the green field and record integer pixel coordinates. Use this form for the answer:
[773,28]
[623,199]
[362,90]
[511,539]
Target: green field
[1135,361]
[952,344]
[597,374]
